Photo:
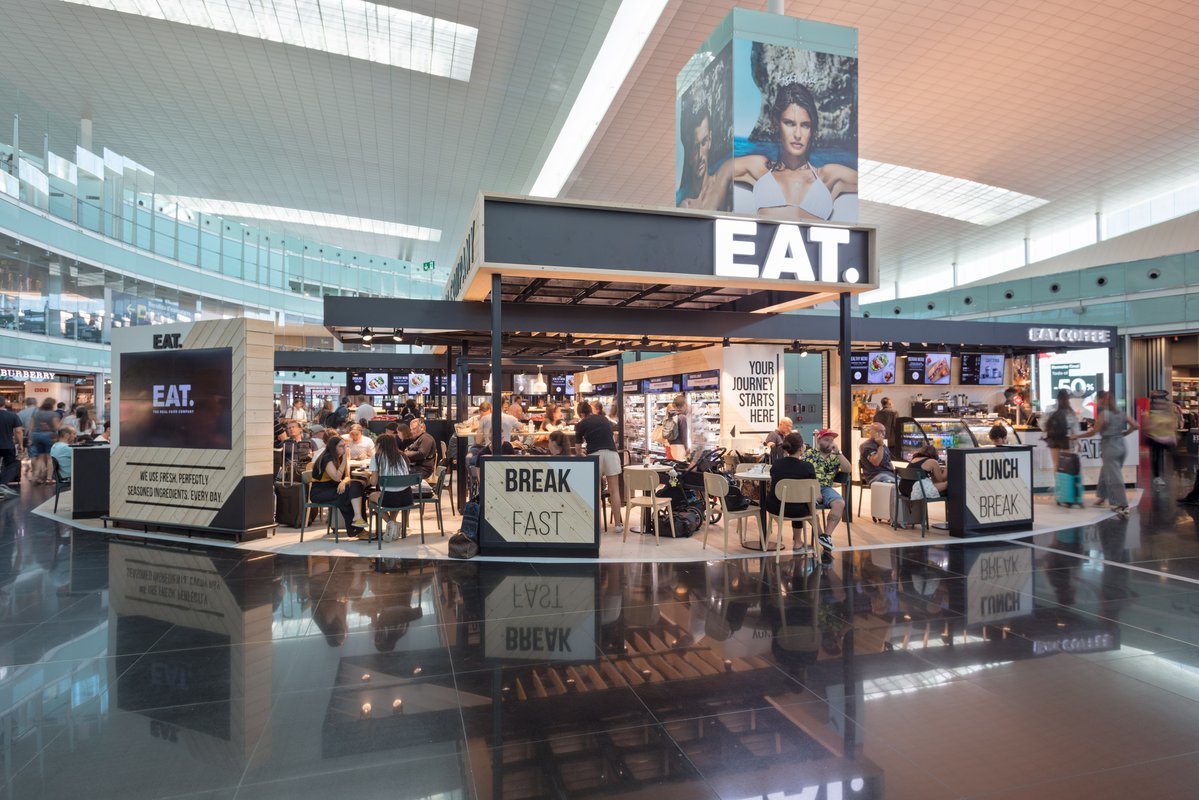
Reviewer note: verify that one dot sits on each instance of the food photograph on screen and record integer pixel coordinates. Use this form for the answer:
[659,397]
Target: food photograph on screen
[377,384]
[181,399]
[937,368]
[881,368]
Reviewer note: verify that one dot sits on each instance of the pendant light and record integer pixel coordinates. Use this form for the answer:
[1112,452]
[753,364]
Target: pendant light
[539,386]
[585,386]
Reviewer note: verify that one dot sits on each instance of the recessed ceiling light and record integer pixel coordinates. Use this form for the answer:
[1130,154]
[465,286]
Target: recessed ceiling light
[634,22]
[300,216]
[943,195]
[354,28]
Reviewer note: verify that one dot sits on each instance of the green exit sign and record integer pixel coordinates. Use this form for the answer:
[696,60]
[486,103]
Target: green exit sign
[428,266]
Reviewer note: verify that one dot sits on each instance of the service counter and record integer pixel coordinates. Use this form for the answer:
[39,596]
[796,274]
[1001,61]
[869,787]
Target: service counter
[89,481]
[1088,456]
[539,506]
[990,490]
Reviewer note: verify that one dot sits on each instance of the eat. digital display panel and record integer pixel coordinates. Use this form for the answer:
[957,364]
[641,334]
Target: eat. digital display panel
[937,369]
[880,367]
[980,369]
[859,365]
[182,399]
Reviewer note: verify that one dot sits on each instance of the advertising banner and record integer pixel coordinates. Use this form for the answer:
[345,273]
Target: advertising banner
[536,617]
[540,504]
[751,390]
[768,124]
[191,434]
[989,489]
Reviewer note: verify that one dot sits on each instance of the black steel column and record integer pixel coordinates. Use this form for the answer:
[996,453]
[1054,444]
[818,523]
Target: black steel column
[497,357]
[624,445]
[845,347]
[464,443]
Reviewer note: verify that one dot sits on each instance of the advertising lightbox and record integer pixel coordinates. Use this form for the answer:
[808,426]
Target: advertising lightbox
[181,399]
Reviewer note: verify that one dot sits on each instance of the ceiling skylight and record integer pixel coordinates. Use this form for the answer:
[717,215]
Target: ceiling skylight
[943,195]
[353,28]
[634,22]
[299,216]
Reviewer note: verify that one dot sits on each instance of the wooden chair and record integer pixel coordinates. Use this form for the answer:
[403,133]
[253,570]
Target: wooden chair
[915,475]
[793,491]
[718,486]
[434,500]
[397,483]
[645,480]
[333,510]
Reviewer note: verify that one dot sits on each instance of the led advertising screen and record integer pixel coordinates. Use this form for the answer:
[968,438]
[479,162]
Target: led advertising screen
[377,384]
[979,369]
[399,383]
[937,369]
[180,399]
[355,383]
[880,367]
[859,365]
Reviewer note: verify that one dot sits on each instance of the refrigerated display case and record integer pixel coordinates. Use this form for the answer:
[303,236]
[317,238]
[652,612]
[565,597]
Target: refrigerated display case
[942,433]
[981,429]
[659,394]
[702,390]
[634,421]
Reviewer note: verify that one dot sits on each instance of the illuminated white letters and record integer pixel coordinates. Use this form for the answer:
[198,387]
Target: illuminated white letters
[787,254]
[727,248]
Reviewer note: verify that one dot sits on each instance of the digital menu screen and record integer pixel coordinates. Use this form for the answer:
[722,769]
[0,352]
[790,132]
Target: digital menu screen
[937,369]
[399,383]
[562,385]
[377,384]
[979,369]
[914,369]
[418,383]
[355,383]
[880,367]
[859,365]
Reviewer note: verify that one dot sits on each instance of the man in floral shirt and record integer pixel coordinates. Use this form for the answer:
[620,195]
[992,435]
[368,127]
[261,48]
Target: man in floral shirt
[828,461]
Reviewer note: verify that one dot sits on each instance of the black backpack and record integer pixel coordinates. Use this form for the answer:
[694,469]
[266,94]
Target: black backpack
[1057,430]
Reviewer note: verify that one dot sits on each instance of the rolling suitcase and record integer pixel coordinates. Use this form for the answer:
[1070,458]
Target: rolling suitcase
[1067,486]
[289,497]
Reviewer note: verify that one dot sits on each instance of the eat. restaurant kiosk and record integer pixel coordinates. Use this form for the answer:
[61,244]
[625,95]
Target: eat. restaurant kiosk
[554,283]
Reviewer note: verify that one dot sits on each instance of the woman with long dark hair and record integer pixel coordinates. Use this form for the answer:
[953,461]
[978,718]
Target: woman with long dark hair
[331,483]
[1112,425]
[789,186]
[389,461]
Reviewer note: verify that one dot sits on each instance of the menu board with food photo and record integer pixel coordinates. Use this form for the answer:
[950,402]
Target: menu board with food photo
[881,368]
[376,384]
[914,371]
[418,383]
[859,365]
[936,368]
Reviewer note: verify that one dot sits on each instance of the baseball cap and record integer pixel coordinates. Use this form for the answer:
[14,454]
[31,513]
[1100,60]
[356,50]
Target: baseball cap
[820,434]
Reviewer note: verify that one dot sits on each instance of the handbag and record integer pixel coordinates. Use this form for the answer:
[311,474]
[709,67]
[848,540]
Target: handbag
[462,546]
[924,489]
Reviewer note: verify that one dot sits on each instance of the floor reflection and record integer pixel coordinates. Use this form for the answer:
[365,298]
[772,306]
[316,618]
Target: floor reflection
[182,671]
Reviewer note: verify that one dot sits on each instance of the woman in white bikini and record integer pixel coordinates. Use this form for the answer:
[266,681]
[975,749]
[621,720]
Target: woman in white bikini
[790,187]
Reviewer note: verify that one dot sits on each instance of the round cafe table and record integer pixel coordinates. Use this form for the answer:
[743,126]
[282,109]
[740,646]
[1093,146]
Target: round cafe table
[752,473]
[659,468]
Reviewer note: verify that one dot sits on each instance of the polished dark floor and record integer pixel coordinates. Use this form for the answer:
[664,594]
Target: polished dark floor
[1060,667]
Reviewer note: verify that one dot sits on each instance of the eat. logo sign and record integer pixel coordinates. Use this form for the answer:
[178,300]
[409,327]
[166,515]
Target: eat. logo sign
[735,253]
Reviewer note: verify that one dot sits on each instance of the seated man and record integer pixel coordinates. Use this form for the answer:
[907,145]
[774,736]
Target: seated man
[297,450]
[775,438]
[421,452]
[828,461]
[61,450]
[361,447]
[875,457]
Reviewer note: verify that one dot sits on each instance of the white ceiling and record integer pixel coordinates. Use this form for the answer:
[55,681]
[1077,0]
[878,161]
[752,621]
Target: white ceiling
[1092,106]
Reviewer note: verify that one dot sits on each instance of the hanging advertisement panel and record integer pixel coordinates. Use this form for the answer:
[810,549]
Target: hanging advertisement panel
[751,390]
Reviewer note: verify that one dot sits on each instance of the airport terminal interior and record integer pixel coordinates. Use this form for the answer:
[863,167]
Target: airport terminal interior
[916,282]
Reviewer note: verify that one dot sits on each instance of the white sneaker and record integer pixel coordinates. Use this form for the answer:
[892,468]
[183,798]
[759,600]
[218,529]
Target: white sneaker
[618,529]
[1159,481]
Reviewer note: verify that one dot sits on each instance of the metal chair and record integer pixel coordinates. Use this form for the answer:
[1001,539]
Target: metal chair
[718,486]
[397,483]
[332,508]
[794,491]
[59,482]
[432,500]
[645,480]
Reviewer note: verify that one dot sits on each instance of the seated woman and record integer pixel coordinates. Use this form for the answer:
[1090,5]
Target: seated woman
[558,444]
[926,459]
[389,461]
[790,466]
[331,483]
[61,451]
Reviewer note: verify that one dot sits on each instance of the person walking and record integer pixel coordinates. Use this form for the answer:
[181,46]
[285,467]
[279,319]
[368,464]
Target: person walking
[1112,425]
[1161,425]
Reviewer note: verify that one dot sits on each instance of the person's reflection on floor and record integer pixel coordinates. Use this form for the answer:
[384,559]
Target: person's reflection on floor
[390,606]
[333,583]
[793,616]
[1114,591]
[1061,568]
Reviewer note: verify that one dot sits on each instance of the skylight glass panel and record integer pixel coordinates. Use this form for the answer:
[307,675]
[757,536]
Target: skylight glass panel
[944,195]
[353,28]
[299,216]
